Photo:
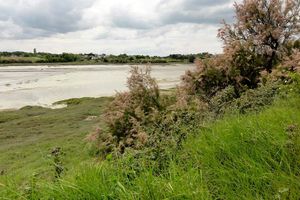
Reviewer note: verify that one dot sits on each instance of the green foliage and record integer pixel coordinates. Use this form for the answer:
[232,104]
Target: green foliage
[8,117]
[245,157]
[255,99]
[293,84]
[57,155]
[40,57]
[245,69]
[222,100]
[169,148]
[74,101]
[253,156]
[64,57]
[27,136]
[206,79]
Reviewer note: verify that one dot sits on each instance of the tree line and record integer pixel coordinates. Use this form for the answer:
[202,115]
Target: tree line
[91,58]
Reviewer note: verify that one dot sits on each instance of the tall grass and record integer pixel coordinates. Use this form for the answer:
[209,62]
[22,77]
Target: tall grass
[253,156]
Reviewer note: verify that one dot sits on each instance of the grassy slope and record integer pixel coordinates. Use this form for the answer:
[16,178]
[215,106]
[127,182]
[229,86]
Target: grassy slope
[239,157]
[28,135]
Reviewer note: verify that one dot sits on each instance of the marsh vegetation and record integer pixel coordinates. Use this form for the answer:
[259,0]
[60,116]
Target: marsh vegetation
[230,130]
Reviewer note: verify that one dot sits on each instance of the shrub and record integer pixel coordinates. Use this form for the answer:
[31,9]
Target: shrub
[209,76]
[143,125]
[251,45]
[292,62]
[255,99]
[245,68]
[131,110]
[222,100]
[262,29]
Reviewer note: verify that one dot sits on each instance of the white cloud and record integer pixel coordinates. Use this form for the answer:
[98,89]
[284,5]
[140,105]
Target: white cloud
[9,29]
[156,27]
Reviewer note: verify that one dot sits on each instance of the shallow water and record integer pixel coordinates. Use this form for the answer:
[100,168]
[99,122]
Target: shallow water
[44,85]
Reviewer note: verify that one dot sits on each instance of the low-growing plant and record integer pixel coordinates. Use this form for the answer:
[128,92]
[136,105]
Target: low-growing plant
[57,163]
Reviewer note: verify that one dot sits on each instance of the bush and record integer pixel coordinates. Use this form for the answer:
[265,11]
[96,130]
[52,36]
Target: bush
[131,110]
[209,76]
[255,99]
[144,125]
[222,100]
[292,62]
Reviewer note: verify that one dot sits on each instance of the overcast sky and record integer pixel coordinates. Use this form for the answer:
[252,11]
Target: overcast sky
[154,27]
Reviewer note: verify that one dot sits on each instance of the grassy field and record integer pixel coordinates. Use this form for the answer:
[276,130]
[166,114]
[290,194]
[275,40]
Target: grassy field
[252,156]
[19,59]
[27,136]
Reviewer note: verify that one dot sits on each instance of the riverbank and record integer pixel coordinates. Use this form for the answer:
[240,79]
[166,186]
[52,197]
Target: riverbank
[28,135]
[252,154]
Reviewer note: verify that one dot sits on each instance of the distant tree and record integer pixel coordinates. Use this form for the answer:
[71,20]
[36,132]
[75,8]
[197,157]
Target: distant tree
[262,30]
[191,58]
[68,57]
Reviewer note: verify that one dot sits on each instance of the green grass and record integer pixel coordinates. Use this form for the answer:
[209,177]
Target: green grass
[19,59]
[253,156]
[27,137]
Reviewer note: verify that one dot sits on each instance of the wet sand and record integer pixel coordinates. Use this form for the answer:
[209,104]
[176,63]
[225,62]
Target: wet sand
[43,85]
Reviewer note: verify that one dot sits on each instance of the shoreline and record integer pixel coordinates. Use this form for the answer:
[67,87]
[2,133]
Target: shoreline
[64,103]
[82,64]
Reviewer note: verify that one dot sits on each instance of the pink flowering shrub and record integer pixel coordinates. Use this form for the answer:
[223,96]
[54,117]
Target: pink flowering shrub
[257,41]
[131,110]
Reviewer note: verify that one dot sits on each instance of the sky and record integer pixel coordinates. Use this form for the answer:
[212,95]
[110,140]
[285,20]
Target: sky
[152,27]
